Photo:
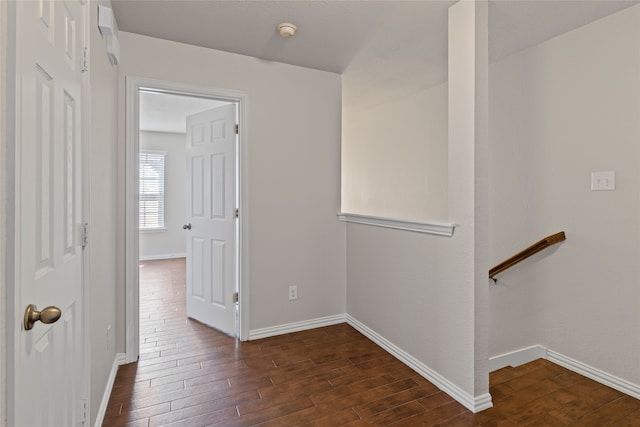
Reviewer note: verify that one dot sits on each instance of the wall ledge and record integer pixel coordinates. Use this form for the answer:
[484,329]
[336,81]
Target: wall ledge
[439,229]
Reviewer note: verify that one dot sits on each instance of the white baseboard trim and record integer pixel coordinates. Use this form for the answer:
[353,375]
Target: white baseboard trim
[473,403]
[288,328]
[595,374]
[162,256]
[529,354]
[517,357]
[119,359]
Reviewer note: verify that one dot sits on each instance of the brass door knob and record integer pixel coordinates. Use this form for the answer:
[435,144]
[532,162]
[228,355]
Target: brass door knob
[48,315]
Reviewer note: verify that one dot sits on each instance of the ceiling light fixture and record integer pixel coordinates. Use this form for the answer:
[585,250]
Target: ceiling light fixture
[287,30]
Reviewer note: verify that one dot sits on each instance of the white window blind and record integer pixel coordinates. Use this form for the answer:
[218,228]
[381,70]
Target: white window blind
[152,190]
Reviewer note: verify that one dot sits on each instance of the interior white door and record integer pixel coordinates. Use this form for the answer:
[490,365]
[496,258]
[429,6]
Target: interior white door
[48,375]
[211,239]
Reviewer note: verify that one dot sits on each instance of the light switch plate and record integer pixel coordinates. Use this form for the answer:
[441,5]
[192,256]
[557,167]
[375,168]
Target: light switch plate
[603,181]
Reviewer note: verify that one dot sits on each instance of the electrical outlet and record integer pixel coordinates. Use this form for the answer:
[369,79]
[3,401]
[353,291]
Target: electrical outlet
[293,293]
[108,336]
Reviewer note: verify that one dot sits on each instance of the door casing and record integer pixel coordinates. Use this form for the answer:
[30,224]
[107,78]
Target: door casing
[132,280]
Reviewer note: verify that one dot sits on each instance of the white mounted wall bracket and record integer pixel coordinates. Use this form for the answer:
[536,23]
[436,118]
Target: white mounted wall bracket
[109,30]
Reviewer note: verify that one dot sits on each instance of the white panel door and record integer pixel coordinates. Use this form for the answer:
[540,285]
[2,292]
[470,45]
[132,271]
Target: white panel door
[211,240]
[48,379]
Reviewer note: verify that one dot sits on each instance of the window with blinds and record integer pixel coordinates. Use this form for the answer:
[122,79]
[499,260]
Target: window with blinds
[152,190]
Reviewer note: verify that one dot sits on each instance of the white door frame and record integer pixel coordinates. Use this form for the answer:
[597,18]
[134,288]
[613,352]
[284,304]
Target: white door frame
[132,278]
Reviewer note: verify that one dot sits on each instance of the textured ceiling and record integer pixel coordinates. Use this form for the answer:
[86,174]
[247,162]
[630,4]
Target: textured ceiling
[162,112]
[382,48]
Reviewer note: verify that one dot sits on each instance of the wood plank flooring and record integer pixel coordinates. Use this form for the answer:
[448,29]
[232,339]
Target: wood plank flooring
[191,375]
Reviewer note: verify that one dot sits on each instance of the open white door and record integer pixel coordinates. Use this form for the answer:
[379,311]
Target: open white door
[211,228]
[46,378]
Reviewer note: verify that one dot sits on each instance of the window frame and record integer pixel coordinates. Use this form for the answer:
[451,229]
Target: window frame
[148,196]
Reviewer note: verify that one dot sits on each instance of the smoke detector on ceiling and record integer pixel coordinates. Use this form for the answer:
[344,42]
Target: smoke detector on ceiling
[287,30]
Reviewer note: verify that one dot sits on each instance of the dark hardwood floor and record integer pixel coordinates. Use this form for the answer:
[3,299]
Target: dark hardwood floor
[191,375]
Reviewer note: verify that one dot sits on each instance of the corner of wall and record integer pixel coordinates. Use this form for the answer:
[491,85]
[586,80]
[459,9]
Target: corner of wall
[102,180]
[3,207]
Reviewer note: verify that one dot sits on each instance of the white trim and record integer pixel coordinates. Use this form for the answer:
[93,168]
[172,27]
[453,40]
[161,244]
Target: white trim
[9,191]
[133,85]
[529,354]
[473,403]
[160,152]
[439,229]
[119,359]
[86,214]
[296,326]
[153,230]
[132,144]
[517,357]
[595,374]
[162,256]
[4,143]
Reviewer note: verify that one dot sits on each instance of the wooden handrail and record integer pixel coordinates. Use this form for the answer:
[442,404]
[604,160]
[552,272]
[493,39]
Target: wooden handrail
[522,255]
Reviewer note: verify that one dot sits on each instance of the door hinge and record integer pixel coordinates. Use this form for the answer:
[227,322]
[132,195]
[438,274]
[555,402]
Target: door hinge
[82,411]
[235,297]
[237,129]
[237,213]
[85,60]
[85,235]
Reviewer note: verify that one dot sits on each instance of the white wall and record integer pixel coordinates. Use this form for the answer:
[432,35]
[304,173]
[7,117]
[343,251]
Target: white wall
[172,242]
[395,158]
[428,294]
[3,206]
[103,164]
[293,142]
[559,111]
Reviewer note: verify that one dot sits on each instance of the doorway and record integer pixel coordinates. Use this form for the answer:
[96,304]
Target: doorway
[160,143]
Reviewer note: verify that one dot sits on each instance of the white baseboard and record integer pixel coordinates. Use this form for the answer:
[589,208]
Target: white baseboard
[296,326]
[120,359]
[473,403]
[518,357]
[595,374]
[162,256]
[529,354]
